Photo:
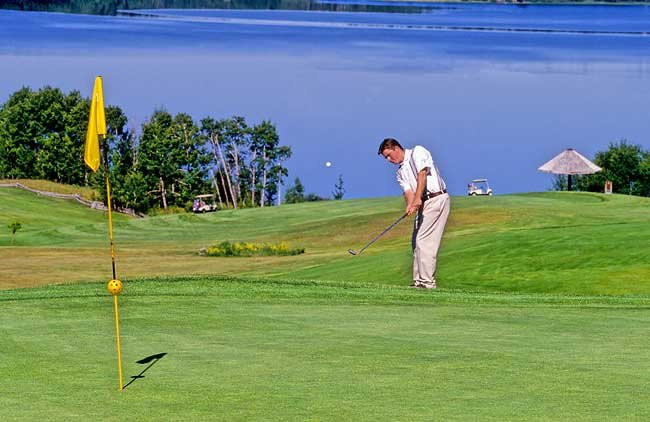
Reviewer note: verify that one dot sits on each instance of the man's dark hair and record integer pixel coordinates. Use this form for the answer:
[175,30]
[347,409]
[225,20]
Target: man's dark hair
[389,143]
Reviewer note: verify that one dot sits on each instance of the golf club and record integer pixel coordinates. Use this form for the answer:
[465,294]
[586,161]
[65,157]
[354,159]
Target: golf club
[353,252]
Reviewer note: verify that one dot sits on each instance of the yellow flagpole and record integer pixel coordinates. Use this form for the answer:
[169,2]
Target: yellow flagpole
[110,216]
[117,331]
[115,285]
[94,136]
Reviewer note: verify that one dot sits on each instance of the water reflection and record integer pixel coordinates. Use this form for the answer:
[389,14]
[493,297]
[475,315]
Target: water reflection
[112,8]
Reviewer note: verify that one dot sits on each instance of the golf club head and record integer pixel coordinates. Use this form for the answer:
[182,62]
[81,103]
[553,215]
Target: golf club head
[351,252]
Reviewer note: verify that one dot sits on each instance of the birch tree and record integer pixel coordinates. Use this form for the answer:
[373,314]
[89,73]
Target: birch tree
[211,128]
[235,140]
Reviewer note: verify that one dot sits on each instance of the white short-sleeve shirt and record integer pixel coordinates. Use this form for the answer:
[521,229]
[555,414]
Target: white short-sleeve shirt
[415,160]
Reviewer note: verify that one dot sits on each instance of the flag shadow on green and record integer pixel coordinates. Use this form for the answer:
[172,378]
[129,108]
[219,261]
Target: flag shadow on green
[151,360]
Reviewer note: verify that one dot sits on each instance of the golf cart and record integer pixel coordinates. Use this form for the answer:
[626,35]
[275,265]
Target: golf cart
[479,187]
[204,203]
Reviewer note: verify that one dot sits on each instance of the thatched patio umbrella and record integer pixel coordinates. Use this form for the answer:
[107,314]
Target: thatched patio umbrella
[569,162]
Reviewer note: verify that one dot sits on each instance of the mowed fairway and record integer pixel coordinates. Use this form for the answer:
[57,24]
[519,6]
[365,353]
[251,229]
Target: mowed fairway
[575,243]
[542,314]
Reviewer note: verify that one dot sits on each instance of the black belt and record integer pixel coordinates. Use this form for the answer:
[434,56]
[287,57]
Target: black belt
[430,195]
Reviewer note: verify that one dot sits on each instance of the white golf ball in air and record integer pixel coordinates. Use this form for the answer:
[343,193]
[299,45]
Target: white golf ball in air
[328,164]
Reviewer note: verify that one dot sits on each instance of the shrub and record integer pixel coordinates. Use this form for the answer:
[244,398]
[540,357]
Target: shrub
[171,209]
[14,226]
[227,248]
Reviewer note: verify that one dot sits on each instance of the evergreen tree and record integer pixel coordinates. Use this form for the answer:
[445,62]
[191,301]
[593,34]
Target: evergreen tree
[338,188]
[295,193]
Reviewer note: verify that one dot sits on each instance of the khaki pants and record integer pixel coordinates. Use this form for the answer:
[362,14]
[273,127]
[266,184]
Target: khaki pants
[427,233]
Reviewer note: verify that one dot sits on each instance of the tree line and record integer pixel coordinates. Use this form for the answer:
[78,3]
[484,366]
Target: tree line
[174,158]
[112,7]
[626,165]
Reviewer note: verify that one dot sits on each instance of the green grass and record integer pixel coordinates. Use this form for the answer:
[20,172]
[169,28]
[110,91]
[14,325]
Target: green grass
[258,350]
[574,243]
[542,313]
[47,186]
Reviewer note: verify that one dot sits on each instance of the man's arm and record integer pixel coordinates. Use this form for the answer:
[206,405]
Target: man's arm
[414,200]
[408,198]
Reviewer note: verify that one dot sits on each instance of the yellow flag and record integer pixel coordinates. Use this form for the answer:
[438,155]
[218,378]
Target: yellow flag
[96,126]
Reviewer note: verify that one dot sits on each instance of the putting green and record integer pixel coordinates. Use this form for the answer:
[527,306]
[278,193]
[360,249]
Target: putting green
[260,350]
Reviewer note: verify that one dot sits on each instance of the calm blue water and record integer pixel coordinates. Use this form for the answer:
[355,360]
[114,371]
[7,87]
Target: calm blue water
[550,18]
[493,90]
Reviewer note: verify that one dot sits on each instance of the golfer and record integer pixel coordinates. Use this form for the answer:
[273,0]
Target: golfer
[426,195]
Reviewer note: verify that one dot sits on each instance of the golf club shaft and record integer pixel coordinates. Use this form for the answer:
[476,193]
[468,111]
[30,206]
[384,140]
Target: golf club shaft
[382,233]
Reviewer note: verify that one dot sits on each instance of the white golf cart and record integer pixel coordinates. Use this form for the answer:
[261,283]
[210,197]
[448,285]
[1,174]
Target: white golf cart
[479,187]
[204,203]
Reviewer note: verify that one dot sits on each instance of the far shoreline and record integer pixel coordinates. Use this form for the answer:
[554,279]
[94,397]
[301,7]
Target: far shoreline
[114,8]
[522,3]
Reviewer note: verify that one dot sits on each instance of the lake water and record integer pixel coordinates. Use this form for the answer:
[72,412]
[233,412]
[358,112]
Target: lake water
[493,90]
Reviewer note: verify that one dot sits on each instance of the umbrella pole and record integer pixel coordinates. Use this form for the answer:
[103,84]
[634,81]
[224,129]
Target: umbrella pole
[568,183]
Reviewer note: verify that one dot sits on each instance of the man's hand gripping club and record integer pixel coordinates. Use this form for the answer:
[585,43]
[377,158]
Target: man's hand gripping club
[414,200]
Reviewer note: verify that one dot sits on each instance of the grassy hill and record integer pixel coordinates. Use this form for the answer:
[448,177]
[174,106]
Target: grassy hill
[576,243]
[537,242]
[45,185]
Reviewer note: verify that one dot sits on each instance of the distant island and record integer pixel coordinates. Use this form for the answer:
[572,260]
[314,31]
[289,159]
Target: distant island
[111,7]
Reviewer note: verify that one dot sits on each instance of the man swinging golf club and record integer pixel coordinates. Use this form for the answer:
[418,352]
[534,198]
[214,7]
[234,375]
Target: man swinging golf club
[426,195]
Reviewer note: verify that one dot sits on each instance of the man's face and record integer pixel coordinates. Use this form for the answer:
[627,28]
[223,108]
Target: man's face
[393,155]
